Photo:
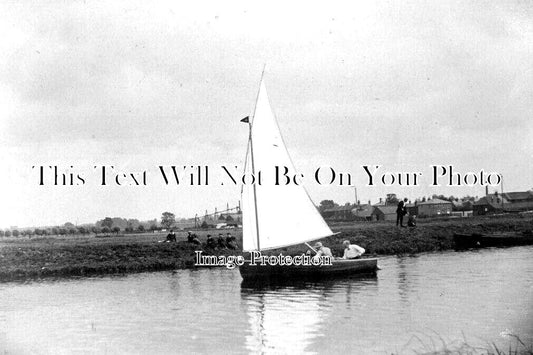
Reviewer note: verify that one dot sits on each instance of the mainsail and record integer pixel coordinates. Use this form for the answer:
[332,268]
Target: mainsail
[274,216]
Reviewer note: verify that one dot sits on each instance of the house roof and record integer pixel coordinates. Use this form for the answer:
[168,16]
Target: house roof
[385,209]
[363,211]
[490,200]
[521,195]
[435,201]
[339,208]
[508,197]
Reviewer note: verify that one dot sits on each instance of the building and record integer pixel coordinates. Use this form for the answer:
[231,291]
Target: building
[363,212]
[233,218]
[508,202]
[434,207]
[518,201]
[463,205]
[339,213]
[384,213]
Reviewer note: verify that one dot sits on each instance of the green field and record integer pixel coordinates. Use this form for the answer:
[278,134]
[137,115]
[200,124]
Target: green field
[54,256]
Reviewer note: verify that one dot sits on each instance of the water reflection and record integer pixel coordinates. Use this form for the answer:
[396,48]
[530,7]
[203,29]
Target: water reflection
[481,295]
[290,317]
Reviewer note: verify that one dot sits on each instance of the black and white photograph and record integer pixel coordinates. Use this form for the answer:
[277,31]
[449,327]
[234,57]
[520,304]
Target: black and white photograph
[281,177]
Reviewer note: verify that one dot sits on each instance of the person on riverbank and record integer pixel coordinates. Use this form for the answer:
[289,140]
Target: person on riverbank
[400,212]
[193,238]
[352,251]
[322,250]
[411,221]
[231,242]
[171,237]
[211,242]
[221,242]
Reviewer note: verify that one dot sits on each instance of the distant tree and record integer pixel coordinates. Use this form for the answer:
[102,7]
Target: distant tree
[442,197]
[55,231]
[153,227]
[116,229]
[68,225]
[107,222]
[423,199]
[15,232]
[7,233]
[129,229]
[168,219]
[62,231]
[391,199]
[72,231]
[2,233]
[326,204]
[38,231]
[105,229]
[82,230]
[140,228]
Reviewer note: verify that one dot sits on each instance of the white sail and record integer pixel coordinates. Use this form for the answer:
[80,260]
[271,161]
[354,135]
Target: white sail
[274,215]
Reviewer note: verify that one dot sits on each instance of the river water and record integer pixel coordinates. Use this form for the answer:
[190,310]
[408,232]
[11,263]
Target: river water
[412,305]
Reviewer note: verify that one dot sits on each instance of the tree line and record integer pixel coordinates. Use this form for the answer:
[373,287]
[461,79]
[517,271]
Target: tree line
[104,226]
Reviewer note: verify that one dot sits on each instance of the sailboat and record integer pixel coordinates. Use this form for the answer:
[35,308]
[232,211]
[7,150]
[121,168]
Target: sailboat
[280,215]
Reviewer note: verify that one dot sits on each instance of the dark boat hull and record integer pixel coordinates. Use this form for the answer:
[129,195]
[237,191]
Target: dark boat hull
[339,267]
[466,241]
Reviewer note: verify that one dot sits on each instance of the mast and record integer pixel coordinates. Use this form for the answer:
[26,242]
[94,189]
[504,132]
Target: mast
[254,189]
[250,123]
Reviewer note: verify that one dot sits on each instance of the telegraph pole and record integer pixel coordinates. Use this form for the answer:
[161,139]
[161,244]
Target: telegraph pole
[501,186]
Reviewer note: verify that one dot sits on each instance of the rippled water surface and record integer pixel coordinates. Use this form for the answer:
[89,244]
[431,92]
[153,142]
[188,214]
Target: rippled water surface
[411,304]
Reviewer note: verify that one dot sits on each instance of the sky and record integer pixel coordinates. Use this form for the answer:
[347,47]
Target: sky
[400,84]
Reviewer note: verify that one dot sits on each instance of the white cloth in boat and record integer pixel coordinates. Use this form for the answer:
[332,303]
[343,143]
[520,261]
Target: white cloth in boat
[353,251]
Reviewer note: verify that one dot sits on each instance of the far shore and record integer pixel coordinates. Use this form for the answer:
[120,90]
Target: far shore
[23,258]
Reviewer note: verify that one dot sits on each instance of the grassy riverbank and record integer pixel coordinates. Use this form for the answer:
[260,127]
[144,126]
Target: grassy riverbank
[23,258]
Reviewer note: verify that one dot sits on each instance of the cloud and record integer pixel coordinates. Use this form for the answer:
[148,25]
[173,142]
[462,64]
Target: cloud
[393,82]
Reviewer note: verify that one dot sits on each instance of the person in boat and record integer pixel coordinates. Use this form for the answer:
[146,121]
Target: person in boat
[352,251]
[221,242]
[322,250]
[411,222]
[171,237]
[211,242]
[400,212]
[231,242]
